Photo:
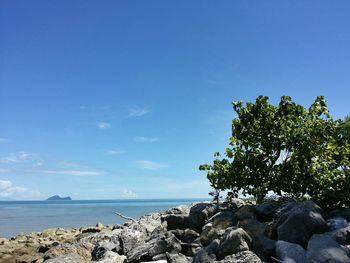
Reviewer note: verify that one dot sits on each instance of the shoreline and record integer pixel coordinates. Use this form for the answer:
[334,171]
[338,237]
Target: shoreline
[26,217]
[201,232]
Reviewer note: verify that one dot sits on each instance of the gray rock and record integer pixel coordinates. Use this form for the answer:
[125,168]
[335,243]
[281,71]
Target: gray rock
[342,236]
[210,233]
[207,254]
[181,209]
[83,250]
[336,223]
[68,258]
[128,239]
[200,213]
[234,240]
[299,221]
[246,212]
[159,257]
[323,248]
[111,257]
[223,219]
[175,221]
[99,252]
[189,249]
[147,224]
[241,257]
[253,227]
[155,245]
[237,202]
[189,236]
[178,258]
[263,246]
[290,253]
[267,211]
[215,227]
[341,212]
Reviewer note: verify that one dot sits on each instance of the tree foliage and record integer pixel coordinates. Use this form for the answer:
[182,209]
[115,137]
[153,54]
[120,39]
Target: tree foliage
[285,148]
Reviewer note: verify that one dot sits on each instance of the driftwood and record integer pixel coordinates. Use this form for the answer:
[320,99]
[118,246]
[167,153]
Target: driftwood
[277,260]
[125,217]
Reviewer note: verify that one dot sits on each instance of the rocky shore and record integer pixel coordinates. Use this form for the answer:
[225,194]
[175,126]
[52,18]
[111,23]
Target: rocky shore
[201,233]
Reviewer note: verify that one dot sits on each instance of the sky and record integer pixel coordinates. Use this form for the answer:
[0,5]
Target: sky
[125,99]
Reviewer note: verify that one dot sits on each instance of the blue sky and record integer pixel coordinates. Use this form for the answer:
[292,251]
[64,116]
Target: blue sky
[124,99]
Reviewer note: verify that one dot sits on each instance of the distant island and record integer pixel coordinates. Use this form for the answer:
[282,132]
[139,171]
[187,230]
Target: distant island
[58,198]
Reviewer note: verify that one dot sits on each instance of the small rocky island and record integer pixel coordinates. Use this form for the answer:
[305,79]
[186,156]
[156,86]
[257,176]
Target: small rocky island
[58,198]
[201,233]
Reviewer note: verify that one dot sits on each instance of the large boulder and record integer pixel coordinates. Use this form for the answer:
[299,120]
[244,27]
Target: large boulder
[267,211]
[323,248]
[175,221]
[186,236]
[246,212]
[155,245]
[200,213]
[234,240]
[263,246]
[290,253]
[216,226]
[128,239]
[299,221]
[83,250]
[147,224]
[207,254]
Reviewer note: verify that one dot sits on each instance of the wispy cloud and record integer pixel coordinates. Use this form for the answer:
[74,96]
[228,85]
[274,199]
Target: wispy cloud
[74,172]
[5,184]
[138,112]
[127,193]
[149,165]
[103,125]
[8,190]
[3,140]
[145,139]
[15,157]
[114,152]
[2,170]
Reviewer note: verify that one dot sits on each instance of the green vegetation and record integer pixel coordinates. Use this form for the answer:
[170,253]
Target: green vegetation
[285,149]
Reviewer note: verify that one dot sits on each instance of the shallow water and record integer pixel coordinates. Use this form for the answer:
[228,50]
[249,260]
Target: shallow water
[27,216]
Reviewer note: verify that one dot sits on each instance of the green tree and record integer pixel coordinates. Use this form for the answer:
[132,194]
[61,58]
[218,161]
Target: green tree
[284,148]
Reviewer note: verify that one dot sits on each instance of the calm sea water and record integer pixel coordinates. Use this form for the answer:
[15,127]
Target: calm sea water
[27,216]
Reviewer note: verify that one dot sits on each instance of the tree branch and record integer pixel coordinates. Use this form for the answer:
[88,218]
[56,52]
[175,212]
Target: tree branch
[125,217]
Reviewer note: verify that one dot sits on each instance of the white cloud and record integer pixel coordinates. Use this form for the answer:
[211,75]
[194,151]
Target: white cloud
[149,165]
[127,193]
[5,184]
[103,125]
[114,152]
[145,139]
[74,172]
[8,190]
[138,112]
[2,170]
[15,157]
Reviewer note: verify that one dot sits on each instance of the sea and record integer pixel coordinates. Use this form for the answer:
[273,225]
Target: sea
[18,217]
